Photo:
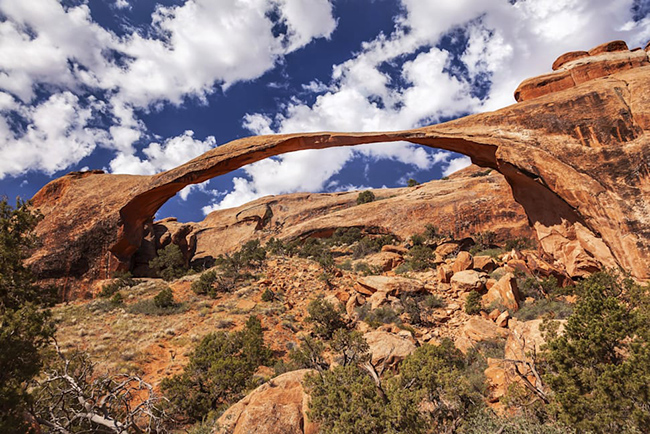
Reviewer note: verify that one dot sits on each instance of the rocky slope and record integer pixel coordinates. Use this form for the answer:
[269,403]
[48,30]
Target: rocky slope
[574,151]
[469,202]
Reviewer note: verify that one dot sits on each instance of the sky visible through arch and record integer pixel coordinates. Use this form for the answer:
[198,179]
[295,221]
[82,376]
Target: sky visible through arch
[140,86]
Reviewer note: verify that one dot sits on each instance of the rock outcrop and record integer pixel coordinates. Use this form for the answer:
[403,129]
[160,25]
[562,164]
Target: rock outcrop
[279,406]
[574,151]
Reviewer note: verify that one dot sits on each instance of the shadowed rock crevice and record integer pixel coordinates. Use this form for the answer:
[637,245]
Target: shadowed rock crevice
[575,156]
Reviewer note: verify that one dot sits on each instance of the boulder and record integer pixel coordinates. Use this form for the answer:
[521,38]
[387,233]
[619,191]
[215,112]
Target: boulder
[444,273]
[352,303]
[392,285]
[388,348]
[395,249]
[505,291]
[279,406]
[377,299]
[447,248]
[484,263]
[526,338]
[502,319]
[568,57]
[464,261]
[385,261]
[468,280]
[478,329]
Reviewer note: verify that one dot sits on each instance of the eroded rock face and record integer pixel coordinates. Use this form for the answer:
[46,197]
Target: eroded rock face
[277,407]
[574,151]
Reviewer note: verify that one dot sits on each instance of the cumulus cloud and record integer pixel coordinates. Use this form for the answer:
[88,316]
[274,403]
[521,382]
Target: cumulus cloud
[159,157]
[188,51]
[504,43]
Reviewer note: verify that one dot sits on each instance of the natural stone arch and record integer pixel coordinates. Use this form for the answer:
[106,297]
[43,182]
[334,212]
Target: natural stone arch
[576,160]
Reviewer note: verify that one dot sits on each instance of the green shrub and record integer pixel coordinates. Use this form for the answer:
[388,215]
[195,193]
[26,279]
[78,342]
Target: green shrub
[492,348]
[544,308]
[365,197]
[434,302]
[473,303]
[520,243]
[599,368]
[170,263]
[117,299]
[368,245]
[417,240]
[219,370]
[486,421]
[316,250]
[412,183]
[351,346]
[164,299]
[205,284]
[308,355]
[379,316]
[482,173]
[268,295]
[366,270]
[326,318]
[345,236]
[121,280]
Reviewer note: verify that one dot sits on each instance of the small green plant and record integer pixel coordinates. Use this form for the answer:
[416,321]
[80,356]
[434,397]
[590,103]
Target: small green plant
[412,183]
[121,280]
[309,354]
[351,346]
[365,197]
[482,173]
[117,299]
[326,318]
[473,303]
[170,263]
[417,239]
[434,302]
[268,295]
[520,243]
[164,299]
[366,270]
[205,285]
[368,245]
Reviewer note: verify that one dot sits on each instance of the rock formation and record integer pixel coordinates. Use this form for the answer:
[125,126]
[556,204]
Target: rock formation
[574,150]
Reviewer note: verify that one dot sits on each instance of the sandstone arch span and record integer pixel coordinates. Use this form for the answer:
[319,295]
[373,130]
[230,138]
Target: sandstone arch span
[574,150]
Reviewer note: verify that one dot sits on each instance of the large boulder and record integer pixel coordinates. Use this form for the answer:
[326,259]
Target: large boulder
[392,285]
[279,406]
[505,292]
[468,280]
[388,348]
[463,261]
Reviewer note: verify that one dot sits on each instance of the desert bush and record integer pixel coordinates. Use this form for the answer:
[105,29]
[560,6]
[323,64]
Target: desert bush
[350,346]
[219,370]
[379,316]
[121,280]
[369,244]
[412,183]
[598,368]
[325,317]
[519,243]
[433,302]
[473,303]
[345,236]
[417,240]
[309,354]
[164,299]
[544,308]
[365,197]
[366,270]
[268,295]
[25,326]
[491,348]
[205,284]
[170,263]
[486,421]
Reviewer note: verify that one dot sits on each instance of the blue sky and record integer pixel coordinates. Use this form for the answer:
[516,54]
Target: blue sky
[140,86]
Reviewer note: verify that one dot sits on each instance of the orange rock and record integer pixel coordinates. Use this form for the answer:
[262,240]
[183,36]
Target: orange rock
[395,249]
[464,261]
[279,406]
[444,273]
[391,285]
[484,263]
[505,291]
[608,47]
[468,280]
[478,329]
[388,348]
[568,57]
[502,320]
[494,314]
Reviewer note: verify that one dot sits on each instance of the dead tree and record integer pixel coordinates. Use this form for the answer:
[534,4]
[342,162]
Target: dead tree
[69,398]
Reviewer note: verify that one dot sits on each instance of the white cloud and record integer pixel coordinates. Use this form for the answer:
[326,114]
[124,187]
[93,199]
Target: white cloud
[456,164]
[506,44]
[159,157]
[189,50]
[56,136]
